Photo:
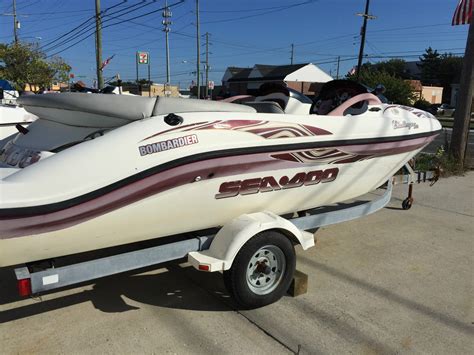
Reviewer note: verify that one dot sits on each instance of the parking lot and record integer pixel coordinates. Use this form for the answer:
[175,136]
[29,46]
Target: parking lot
[393,282]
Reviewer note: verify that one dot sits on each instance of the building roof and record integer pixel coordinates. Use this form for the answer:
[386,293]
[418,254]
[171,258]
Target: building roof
[239,73]
[413,70]
[243,74]
[415,85]
[268,72]
[279,71]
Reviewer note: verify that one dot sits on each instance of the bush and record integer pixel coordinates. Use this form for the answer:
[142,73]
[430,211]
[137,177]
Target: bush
[447,165]
[422,104]
[398,91]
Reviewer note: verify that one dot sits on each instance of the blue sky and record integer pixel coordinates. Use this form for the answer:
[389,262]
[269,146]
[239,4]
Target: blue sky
[242,33]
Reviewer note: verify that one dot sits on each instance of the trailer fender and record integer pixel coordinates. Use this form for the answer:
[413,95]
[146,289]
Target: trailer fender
[232,236]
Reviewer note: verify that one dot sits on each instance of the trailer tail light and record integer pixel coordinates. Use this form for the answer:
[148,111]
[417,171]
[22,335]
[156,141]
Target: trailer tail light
[204,267]
[24,287]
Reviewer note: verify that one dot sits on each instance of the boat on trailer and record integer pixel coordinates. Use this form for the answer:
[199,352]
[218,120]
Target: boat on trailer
[97,171]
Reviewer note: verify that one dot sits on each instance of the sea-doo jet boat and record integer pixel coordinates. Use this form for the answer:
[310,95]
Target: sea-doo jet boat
[96,171]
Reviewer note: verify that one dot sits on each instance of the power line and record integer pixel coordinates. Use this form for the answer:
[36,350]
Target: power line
[112,24]
[57,12]
[74,36]
[282,8]
[248,10]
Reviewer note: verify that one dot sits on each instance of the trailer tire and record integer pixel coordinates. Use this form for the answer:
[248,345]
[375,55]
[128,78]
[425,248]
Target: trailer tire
[262,270]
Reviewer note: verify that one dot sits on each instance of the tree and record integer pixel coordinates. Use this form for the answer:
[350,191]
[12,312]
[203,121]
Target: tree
[397,90]
[429,64]
[25,64]
[394,67]
[449,72]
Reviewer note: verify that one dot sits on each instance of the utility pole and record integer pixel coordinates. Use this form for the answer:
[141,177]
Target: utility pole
[166,22]
[338,62]
[363,31]
[207,65]
[15,23]
[292,53]
[198,59]
[462,115]
[98,45]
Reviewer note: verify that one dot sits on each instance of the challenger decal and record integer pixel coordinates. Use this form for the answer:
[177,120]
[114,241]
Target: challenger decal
[404,124]
[167,144]
[269,183]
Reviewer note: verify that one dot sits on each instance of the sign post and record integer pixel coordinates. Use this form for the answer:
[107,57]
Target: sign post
[144,58]
[210,85]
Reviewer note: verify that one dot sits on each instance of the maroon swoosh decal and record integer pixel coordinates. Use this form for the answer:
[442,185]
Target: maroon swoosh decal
[185,174]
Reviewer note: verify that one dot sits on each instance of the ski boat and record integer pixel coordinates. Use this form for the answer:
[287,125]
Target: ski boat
[96,171]
[10,117]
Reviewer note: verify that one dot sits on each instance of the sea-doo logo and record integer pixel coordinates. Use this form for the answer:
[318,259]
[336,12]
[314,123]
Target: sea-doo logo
[269,183]
[168,144]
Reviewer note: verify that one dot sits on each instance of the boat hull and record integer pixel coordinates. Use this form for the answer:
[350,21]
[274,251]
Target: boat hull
[149,179]
[194,206]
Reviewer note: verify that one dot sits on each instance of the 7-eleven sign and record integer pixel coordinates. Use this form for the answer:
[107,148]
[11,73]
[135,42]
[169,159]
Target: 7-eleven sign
[143,57]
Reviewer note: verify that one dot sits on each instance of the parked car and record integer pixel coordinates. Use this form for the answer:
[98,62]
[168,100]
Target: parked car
[433,109]
[445,110]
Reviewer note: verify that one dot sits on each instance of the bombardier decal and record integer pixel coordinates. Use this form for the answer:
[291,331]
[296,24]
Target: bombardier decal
[168,144]
[269,183]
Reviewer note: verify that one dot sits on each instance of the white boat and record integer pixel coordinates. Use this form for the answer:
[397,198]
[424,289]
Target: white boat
[10,117]
[96,171]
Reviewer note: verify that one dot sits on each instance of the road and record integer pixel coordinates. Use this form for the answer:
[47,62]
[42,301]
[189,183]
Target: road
[392,282]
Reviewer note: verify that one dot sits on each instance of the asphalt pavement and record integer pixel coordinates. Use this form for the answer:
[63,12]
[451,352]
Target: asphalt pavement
[394,282]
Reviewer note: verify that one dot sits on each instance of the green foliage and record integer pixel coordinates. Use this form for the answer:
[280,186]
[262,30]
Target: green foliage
[440,69]
[397,90]
[25,63]
[394,67]
[422,104]
[446,164]
[430,62]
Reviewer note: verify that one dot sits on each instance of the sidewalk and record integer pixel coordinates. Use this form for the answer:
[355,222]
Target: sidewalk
[393,282]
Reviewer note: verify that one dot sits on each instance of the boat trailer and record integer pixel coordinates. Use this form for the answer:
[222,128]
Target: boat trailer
[222,251]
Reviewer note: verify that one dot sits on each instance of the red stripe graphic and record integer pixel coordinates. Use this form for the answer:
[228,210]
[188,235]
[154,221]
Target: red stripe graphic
[186,174]
[267,130]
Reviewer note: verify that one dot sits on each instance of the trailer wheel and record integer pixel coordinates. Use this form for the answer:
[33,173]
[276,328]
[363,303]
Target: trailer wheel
[406,204]
[262,270]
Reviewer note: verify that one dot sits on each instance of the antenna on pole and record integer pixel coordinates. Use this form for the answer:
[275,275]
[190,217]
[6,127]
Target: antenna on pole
[166,23]
[16,23]
[292,53]
[363,31]
[207,65]
[98,44]
[198,55]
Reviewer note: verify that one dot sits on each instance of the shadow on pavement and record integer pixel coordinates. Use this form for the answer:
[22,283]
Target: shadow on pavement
[170,289]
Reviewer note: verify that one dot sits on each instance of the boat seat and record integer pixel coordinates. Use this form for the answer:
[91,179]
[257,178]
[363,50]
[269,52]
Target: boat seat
[109,111]
[165,105]
[125,107]
[265,106]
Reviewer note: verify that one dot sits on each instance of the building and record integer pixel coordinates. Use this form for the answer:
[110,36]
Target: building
[240,81]
[156,90]
[412,70]
[432,94]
